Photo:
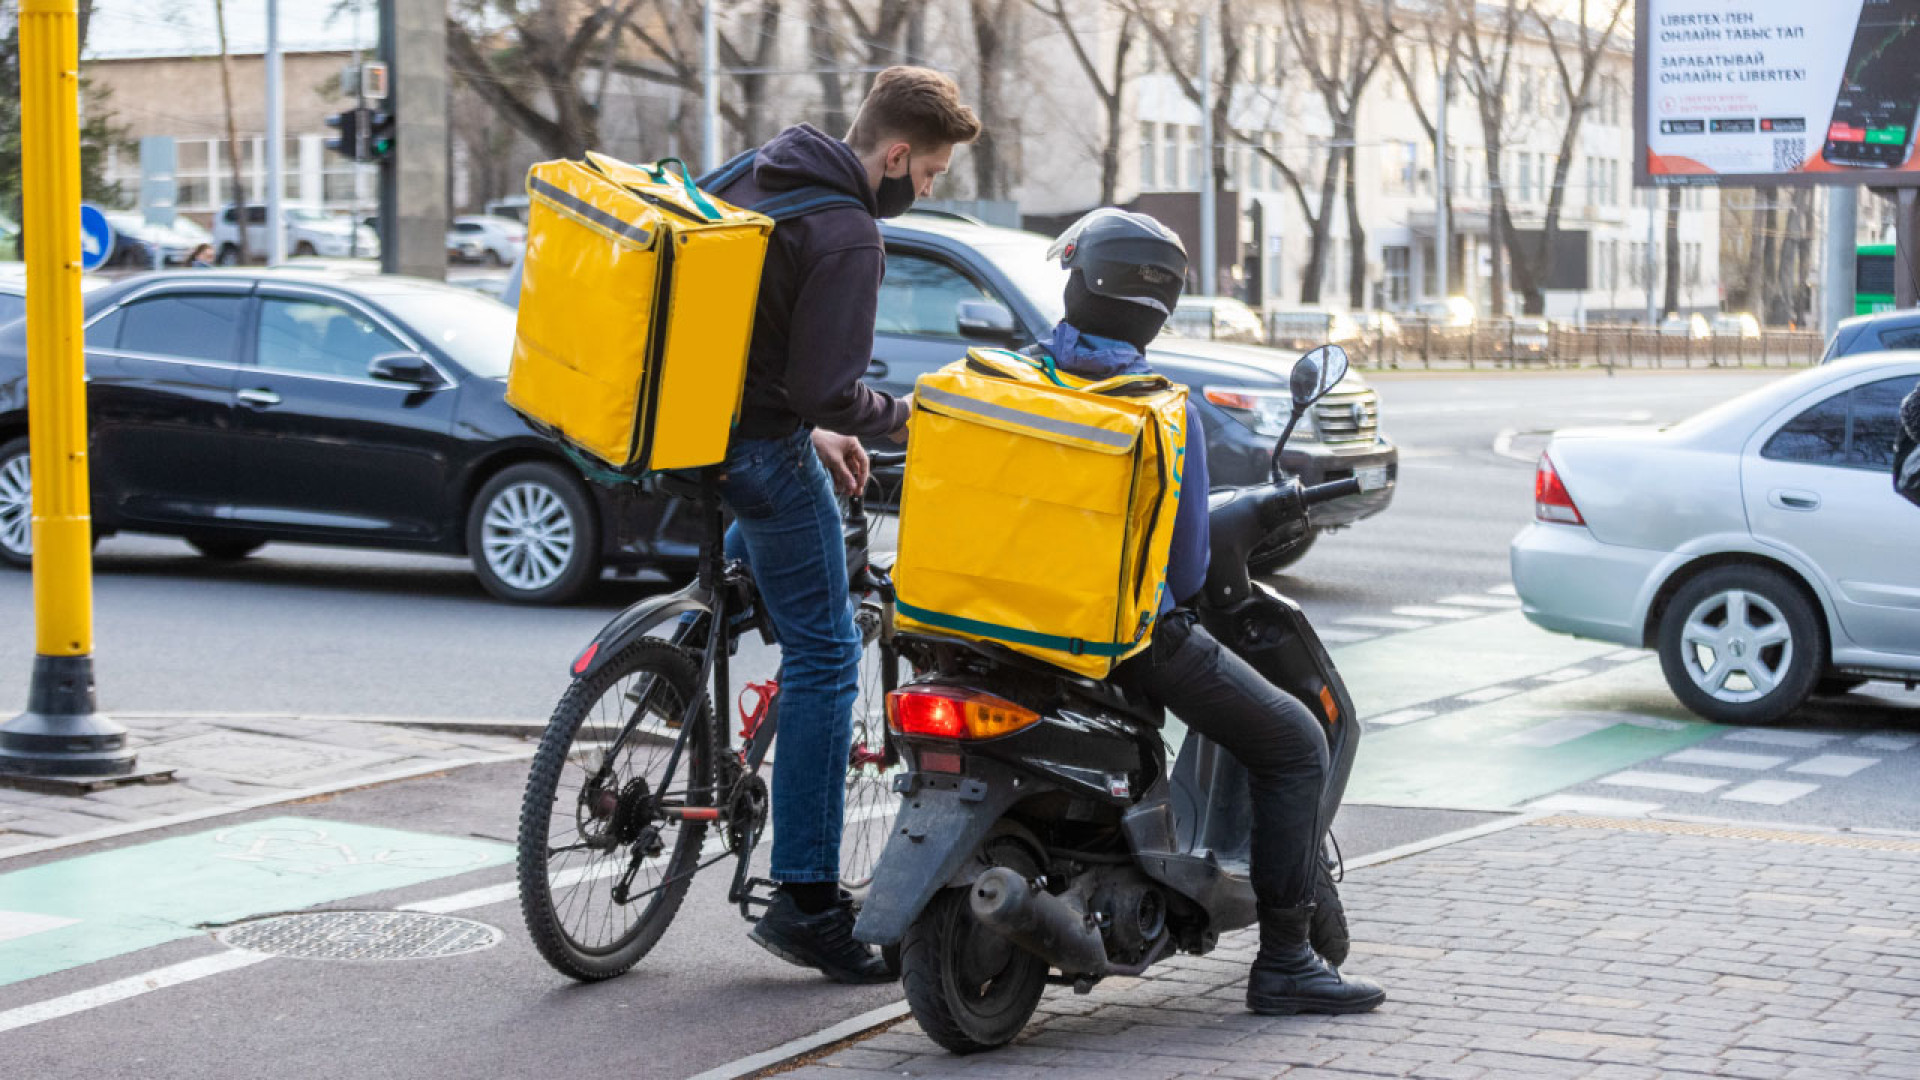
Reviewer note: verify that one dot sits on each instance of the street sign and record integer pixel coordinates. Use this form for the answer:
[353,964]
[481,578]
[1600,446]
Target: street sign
[96,237]
[373,80]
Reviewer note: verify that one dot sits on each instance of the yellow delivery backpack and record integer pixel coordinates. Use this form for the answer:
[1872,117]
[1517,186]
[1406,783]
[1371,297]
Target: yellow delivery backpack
[637,298]
[1038,508]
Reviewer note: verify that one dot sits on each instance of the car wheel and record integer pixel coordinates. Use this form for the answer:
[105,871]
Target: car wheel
[494,259]
[531,535]
[1741,645]
[16,504]
[224,549]
[1277,557]
[304,248]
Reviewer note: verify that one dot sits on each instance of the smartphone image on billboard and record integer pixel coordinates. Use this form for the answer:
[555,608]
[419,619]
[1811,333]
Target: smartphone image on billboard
[1878,106]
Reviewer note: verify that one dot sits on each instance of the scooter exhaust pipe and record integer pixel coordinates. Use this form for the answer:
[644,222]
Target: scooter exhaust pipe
[1037,921]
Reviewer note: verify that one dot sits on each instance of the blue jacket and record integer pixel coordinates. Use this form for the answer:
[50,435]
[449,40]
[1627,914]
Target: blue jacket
[1092,357]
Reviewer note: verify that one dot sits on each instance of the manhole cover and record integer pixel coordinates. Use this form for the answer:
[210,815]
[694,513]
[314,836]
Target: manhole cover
[361,935]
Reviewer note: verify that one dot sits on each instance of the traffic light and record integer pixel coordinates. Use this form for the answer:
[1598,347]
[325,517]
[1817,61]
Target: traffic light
[347,144]
[379,135]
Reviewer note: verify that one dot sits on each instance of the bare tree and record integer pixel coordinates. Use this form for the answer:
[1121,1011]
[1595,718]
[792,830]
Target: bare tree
[996,34]
[1487,61]
[1442,40]
[1579,48]
[233,134]
[531,69]
[1110,89]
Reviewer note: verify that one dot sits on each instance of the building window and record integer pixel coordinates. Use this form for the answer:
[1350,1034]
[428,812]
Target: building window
[1196,160]
[1399,267]
[1170,148]
[1147,160]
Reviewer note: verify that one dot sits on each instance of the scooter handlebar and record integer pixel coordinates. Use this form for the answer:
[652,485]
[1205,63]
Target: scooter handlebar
[1337,489]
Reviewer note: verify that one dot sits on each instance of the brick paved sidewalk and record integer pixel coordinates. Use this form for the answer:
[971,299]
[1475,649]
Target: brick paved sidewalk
[236,762]
[1569,948]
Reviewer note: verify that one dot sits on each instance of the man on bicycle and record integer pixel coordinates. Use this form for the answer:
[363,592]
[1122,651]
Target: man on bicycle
[801,418]
[1125,276]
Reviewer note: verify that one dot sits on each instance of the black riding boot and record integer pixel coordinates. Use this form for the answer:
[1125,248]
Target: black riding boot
[1289,977]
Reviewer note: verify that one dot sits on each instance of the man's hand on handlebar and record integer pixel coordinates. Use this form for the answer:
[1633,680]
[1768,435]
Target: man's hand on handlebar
[845,459]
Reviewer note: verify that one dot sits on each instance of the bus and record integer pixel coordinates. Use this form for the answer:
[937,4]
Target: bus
[1873,285]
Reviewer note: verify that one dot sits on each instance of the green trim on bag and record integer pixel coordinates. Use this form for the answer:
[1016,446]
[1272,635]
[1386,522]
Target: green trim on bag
[1072,646]
[694,193]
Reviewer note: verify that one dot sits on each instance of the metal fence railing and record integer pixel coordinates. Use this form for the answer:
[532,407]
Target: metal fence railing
[1507,345]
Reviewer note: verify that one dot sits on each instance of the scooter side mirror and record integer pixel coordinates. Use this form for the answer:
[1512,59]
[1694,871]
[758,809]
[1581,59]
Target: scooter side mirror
[1316,373]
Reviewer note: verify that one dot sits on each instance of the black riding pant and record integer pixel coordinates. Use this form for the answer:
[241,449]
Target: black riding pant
[1273,736]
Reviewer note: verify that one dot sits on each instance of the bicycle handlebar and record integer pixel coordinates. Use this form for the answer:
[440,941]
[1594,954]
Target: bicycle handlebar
[886,459]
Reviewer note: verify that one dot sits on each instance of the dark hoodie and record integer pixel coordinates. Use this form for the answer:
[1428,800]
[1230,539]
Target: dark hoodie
[819,290]
[1093,357]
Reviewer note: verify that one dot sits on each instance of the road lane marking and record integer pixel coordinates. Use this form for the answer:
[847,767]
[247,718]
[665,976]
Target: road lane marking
[1693,785]
[1488,693]
[1800,740]
[1404,716]
[1559,731]
[19,924]
[1499,603]
[1769,792]
[1839,765]
[1385,622]
[1587,804]
[1722,759]
[122,989]
[1421,611]
[1563,675]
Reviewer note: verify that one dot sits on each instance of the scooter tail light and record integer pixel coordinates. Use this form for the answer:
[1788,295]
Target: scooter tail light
[945,712]
[1551,501]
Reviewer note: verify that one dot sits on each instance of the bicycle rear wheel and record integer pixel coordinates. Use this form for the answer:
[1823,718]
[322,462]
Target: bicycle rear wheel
[870,801]
[597,813]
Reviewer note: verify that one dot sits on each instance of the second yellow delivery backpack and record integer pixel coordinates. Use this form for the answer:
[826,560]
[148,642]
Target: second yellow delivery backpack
[1038,508]
[637,301]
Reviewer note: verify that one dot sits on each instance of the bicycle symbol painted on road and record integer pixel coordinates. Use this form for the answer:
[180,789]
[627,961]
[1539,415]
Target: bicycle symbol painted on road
[312,850]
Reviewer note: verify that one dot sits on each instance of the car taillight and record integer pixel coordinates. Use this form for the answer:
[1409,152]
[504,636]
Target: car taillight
[945,712]
[1550,499]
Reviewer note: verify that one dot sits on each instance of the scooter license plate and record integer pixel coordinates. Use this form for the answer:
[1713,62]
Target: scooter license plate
[1372,479]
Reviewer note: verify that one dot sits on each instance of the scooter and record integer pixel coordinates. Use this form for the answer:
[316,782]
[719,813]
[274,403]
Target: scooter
[1041,827]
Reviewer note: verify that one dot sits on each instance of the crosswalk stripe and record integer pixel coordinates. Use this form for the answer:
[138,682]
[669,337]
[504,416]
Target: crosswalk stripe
[1503,590]
[1836,765]
[1769,792]
[1385,622]
[1587,804]
[1490,693]
[1721,759]
[1805,740]
[1693,785]
[1418,611]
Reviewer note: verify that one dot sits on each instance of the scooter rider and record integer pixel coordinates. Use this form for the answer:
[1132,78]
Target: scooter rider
[1126,272]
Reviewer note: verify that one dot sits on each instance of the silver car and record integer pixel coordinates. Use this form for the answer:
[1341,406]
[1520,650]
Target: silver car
[1758,546]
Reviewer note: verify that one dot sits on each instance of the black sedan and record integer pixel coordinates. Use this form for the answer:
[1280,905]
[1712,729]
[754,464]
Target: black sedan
[234,408]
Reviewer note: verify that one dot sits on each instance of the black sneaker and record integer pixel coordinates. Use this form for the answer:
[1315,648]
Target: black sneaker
[824,941]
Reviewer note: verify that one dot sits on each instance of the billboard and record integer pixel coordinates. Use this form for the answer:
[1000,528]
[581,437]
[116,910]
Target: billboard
[1777,92]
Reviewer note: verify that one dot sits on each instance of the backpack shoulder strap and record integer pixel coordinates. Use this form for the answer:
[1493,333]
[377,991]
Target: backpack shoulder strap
[725,175]
[801,201]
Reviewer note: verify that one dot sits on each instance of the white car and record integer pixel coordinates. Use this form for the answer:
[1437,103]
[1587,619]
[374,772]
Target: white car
[1758,546]
[310,232]
[491,239]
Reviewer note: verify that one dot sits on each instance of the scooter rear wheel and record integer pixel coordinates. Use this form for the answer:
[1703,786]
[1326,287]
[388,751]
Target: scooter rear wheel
[970,988]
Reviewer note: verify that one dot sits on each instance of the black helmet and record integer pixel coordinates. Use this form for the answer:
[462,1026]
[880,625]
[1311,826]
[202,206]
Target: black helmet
[1125,256]
[1126,272]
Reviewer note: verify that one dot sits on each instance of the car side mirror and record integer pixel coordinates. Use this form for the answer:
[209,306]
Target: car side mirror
[1316,373]
[985,320]
[408,369]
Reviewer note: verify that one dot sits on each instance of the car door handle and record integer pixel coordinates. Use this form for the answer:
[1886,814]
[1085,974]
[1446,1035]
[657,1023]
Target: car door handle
[1794,500]
[259,399]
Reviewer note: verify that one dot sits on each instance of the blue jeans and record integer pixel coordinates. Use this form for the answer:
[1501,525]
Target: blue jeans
[787,528]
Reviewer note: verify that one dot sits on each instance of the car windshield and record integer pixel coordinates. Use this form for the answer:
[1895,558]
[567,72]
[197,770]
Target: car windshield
[477,331]
[297,213]
[1041,280]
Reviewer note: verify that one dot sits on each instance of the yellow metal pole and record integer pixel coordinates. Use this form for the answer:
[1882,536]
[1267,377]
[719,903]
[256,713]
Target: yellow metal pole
[59,732]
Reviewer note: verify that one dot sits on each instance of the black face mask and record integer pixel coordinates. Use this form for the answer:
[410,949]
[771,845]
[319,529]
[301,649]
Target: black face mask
[895,194]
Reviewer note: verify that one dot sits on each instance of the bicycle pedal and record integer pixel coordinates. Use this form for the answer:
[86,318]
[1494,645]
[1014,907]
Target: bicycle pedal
[749,900]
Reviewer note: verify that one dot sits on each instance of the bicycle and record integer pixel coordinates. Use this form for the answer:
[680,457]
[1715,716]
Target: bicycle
[653,771]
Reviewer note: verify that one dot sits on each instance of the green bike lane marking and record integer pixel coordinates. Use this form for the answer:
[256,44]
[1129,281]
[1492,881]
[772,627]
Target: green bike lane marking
[1528,746]
[79,911]
[1398,670]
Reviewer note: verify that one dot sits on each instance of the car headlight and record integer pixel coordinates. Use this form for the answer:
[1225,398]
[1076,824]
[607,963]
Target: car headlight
[1264,412]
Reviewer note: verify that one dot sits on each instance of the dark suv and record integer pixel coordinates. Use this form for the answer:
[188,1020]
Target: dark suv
[1882,331]
[953,283]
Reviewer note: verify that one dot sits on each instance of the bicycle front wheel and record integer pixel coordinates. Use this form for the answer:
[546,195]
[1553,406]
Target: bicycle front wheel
[605,854]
